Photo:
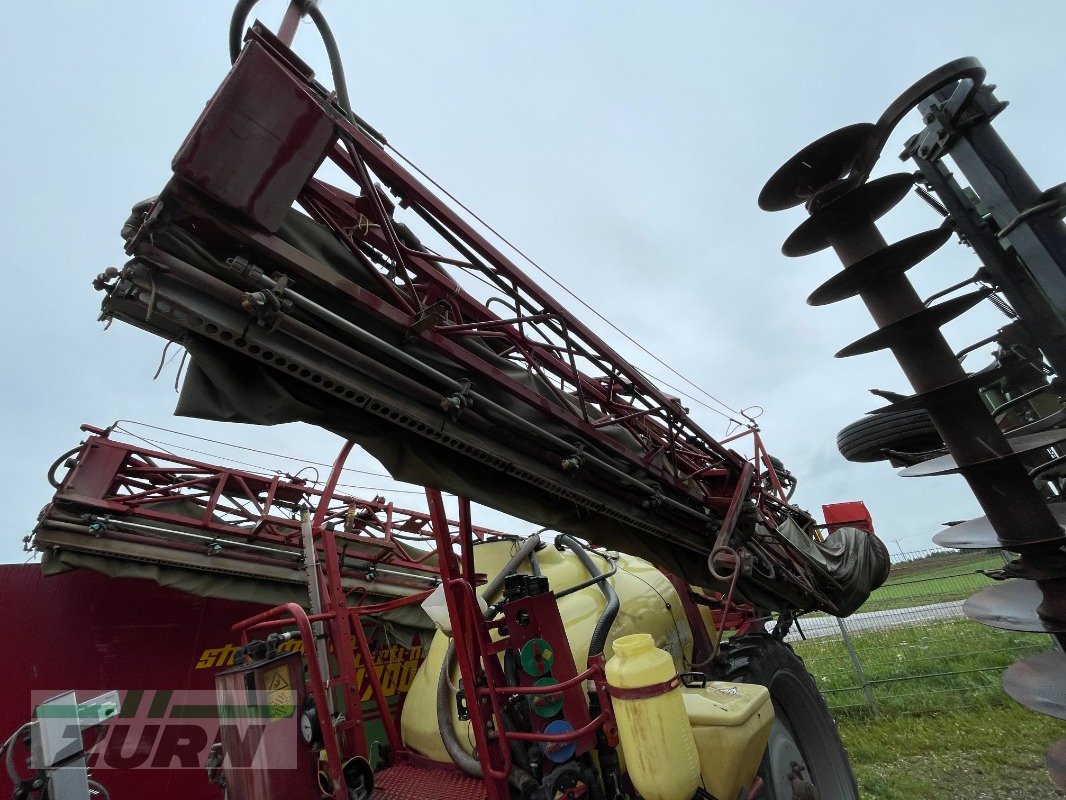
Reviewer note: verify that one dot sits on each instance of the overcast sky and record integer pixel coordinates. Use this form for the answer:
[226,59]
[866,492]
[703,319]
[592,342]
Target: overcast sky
[621,144]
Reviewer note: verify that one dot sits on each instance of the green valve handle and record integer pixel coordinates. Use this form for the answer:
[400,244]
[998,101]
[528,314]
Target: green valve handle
[546,705]
[537,657]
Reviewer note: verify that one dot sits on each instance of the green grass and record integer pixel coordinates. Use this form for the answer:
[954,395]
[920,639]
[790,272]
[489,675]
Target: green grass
[947,729]
[918,668]
[940,580]
[995,750]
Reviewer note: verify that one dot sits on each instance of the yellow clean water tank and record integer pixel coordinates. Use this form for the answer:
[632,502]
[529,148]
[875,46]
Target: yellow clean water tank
[657,741]
[730,723]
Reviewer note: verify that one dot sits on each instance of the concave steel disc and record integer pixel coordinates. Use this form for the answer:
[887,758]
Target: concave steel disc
[1039,683]
[916,324]
[819,163]
[1056,762]
[950,392]
[1020,445]
[978,534]
[1011,605]
[865,203]
[895,259]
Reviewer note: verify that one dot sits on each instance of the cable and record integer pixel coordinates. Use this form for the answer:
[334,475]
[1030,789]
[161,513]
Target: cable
[243,447]
[52,479]
[164,445]
[9,746]
[559,283]
[598,640]
[236,26]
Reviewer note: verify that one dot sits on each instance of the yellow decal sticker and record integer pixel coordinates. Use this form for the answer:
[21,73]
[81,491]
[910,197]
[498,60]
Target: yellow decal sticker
[280,695]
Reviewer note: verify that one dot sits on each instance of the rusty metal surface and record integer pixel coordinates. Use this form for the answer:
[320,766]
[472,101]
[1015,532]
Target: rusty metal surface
[814,166]
[1056,762]
[866,203]
[1029,443]
[897,258]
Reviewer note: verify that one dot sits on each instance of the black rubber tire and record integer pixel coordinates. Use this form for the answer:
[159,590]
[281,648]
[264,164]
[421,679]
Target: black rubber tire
[867,439]
[798,705]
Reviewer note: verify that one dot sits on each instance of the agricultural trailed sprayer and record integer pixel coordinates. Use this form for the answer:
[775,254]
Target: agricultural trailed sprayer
[632,648]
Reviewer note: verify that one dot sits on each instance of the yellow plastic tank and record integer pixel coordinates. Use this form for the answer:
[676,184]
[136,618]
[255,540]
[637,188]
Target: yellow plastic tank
[657,741]
[649,603]
[730,724]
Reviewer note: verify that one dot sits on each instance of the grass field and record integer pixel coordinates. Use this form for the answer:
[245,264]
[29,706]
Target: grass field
[993,751]
[919,667]
[936,579]
[946,729]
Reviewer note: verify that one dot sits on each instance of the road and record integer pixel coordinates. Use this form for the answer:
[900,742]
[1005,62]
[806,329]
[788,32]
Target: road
[817,627]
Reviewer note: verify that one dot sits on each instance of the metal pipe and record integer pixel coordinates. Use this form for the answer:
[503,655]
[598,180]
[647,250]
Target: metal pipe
[455,750]
[483,402]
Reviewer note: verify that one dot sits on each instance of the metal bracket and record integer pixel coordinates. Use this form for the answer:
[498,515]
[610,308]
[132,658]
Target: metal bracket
[454,404]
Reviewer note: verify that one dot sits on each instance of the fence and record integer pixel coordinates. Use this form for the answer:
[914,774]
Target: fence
[910,648]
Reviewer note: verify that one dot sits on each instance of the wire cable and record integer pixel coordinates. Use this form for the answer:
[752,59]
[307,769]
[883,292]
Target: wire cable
[230,445]
[164,445]
[572,294]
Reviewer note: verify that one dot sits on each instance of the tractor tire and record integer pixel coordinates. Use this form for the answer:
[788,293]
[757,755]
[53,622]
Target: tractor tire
[804,731]
[905,431]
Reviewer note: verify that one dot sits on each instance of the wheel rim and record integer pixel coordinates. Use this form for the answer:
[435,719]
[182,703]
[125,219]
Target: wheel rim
[803,734]
[783,753]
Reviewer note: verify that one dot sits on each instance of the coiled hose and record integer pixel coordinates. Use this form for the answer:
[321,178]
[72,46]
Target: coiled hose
[519,778]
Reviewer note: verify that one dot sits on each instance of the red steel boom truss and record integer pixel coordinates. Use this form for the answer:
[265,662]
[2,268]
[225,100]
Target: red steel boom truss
[531,392]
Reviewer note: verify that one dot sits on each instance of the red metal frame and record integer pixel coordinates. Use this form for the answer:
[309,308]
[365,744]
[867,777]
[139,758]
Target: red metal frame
[476,651]
[479,666]
[114,484]
[122,491]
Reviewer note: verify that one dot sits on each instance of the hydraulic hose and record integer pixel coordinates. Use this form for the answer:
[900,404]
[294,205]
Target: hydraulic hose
[610,610]
[519,778]
[236,26]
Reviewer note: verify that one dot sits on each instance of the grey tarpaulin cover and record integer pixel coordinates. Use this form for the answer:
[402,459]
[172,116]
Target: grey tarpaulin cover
[223,384]
[854,559]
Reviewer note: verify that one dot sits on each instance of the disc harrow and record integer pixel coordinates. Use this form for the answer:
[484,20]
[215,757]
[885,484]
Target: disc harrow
[1017,232]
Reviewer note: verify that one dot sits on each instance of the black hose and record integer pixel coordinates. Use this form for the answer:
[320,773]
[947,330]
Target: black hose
[336,67]
[52,479]
[236,26]
[595,579]
[610,610]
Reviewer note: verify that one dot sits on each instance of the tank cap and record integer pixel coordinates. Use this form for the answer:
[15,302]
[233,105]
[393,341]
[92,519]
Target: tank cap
[634,644]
